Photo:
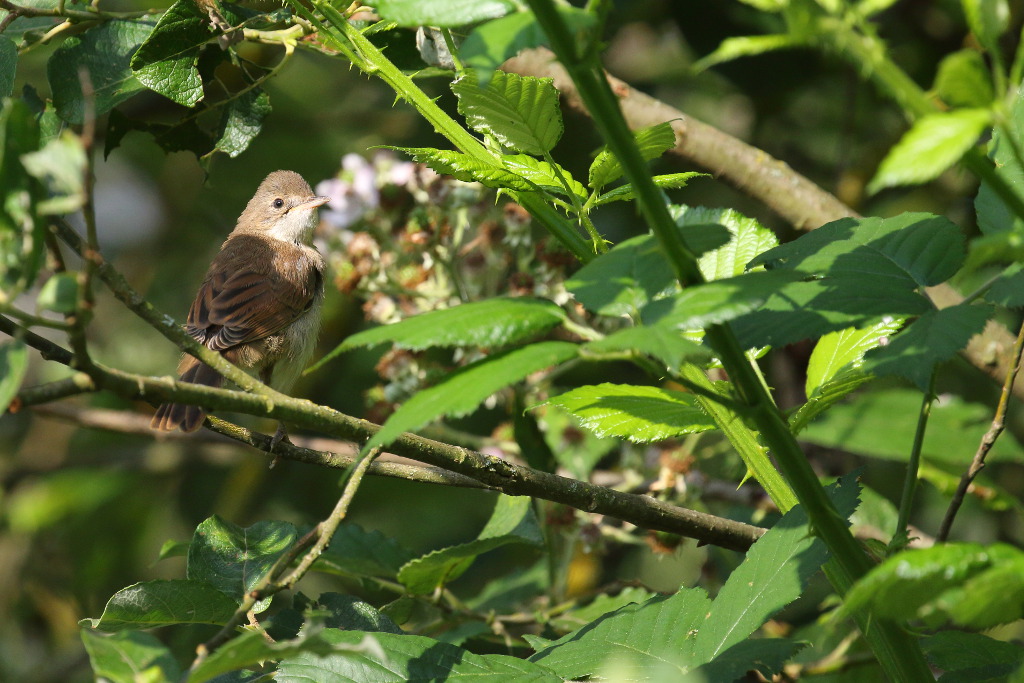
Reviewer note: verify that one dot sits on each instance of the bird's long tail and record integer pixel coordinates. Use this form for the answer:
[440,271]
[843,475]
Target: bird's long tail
[170,416]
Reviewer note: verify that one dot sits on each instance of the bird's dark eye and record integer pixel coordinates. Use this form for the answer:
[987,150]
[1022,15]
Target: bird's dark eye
[278,203]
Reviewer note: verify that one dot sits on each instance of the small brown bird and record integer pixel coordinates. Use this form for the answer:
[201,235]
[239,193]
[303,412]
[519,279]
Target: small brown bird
[259,305]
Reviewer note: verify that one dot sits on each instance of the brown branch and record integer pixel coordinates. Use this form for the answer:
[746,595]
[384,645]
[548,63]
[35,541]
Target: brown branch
[771,181]
[987,441]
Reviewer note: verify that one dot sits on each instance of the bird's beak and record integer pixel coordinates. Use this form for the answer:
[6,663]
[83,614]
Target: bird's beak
[312,203]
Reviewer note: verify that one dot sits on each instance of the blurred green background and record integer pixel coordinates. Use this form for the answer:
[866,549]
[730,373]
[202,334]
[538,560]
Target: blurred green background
[84,513]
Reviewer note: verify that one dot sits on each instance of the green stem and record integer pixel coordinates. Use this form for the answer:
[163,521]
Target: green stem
[914,463]
[902,658]
[348,40]
[600,245]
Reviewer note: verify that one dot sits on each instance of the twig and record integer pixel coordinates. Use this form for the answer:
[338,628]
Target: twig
[900,537]
[316,540]
[987,441]
[46,348]
[78,321]
[78,383]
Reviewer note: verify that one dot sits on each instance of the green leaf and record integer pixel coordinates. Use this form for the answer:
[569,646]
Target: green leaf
[356,552]
[60,166]
[963,80]
[441,13]
[661,342]
[521,112]
[252,648]
[172,548]
[353,614]
[105,51]
[21,232]
[767,5]
[635,272]
[838,351]
[601,605]
[665,638]
[488,324]
[543,174]
[467,169]
[162,603]
[168,61]
[993,215]
[242,121]
[1008,290]
[933,338]
[907,582]
[641,414]
[461,392]
[60,293]
[13,366]
[971,657]
[8,66]
[934,143]
[512,521]
[987,20]
[185,136]
[671,181]
[488,46]
[748,239]
[718,301]
[132,656]
[652,142]
[865,425]
[406,658]
[834,390]
[233,559]
[906,251]
[747,46]
[63,496]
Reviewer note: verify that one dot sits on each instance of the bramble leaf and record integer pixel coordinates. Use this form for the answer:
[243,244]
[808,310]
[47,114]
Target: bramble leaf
[521,112]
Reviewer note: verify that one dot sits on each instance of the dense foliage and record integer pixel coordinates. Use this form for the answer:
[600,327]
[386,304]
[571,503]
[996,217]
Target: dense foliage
[617,383]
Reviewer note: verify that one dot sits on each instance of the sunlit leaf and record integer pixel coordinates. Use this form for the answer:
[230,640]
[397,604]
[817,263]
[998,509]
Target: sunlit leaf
[651,142]
[521,112]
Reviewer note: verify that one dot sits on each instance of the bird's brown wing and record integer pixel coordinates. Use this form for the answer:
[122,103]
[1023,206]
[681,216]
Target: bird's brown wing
[252,291]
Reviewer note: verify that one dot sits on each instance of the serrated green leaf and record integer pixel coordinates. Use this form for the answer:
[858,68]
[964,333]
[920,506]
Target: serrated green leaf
[601,605]
[865,426]
[989,598]
[844,349]
[8,65]
[971,657]
[13,366]
[908,581]
[105,51]
[661,342]
[672,181]
[747,46]
[963,80]
[234,559]
[354,614]
[934,143]
[652,142]
[641,414]
[466,168]
[749,239]
[987,20]
[933,338]
[253,647]
[909,250]
[543,174]
[1008,290]
[242,121]
[60,166]
[461,392]
[665,638]
[400,658]
[441,13]
[59,293]
[636,271]
[521,112]
[168,61]
[486,324]
[827,395]
[993,215]
[125,656]
[357,552]
[162,603]
[512,521]
[718,301]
